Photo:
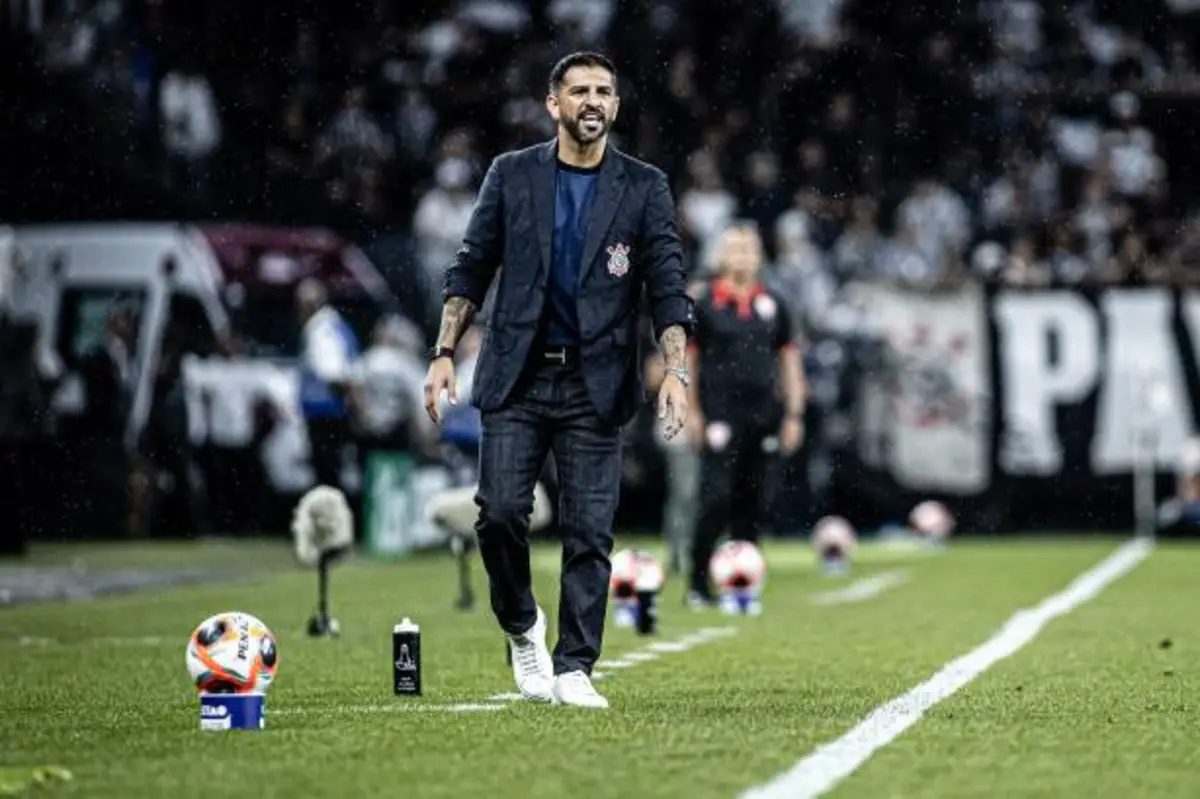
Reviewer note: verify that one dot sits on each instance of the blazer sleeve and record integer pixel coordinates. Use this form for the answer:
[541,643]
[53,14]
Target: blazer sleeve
[474,265]
[666,286]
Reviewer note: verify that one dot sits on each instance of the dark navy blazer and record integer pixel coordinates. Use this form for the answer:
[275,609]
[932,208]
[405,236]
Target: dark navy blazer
[632,244]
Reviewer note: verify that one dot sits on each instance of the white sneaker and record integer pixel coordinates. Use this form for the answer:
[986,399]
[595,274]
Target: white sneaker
[575,688]
[532,667]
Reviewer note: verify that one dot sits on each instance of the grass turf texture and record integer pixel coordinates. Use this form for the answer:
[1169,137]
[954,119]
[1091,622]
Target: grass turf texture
[1095,706]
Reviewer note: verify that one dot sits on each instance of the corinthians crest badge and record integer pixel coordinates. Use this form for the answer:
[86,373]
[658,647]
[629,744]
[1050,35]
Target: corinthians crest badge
[618,259]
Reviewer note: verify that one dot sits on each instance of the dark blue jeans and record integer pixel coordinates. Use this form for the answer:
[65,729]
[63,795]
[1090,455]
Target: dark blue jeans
[550,411]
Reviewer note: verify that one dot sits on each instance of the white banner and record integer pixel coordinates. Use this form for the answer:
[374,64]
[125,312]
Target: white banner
[927,418]
[1059,348]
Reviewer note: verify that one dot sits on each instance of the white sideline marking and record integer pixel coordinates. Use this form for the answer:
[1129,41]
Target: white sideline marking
[861,590]
[830,763]
[669,646]
[145,640]
[616,664]
[399,707]
[641,657]
[510,697]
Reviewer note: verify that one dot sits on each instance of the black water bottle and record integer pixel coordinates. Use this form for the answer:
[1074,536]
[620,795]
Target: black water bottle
[406,658]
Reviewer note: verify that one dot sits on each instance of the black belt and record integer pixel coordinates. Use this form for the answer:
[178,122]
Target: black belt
[559,356]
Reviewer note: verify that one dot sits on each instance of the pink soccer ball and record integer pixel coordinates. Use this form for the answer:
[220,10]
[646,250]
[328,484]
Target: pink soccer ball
[834,538]
[738,566]
[634,570]
[932,521]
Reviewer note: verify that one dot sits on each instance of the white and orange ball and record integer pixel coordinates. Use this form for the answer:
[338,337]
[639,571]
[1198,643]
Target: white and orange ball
[932,521]
[738,566]
[232,653]
[834,539]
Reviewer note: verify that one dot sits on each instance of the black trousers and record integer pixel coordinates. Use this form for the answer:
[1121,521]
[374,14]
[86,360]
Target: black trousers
[550,411]
[104,501]
[17,494]
[735,491]
[327,439]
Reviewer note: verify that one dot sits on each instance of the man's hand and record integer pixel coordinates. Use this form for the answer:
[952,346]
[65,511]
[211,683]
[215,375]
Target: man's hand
[791,435]
[672,406]
[440,378]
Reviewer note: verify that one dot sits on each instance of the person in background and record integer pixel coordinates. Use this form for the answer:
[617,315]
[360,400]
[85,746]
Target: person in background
[683,477]
[385,391]
[107,374]
[749,393]
[25,434]
[167,449]
[328,348]
[1180,516]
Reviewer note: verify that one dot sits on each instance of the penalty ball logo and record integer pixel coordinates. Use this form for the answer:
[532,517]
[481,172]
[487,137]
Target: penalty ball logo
[243,647]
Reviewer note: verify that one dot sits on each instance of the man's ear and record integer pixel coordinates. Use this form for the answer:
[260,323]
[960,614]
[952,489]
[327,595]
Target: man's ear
[552,106]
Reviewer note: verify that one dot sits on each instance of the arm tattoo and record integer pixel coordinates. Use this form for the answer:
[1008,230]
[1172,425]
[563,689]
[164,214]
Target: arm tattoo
[673,342]
[456,317]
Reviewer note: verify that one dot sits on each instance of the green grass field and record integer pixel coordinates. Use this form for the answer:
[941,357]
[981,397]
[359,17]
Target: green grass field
[1103,703]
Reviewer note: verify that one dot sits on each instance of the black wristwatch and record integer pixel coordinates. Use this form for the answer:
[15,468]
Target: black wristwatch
[441,352]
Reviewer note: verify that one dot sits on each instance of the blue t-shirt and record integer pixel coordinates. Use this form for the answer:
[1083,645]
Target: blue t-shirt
[575,189]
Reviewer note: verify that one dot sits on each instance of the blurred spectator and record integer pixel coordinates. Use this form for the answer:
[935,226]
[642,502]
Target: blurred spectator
[191,129]
[386,390]
[706,206]
[415,124]
[1131,149]
[902,258]
[763,197]
[857,249]
[108,377]
[353,139]
[800,272]
[933,224]
[327,353]
[441,219]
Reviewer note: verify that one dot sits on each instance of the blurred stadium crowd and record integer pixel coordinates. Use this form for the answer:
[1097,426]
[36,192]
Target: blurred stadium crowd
[930,142]
[1024,141]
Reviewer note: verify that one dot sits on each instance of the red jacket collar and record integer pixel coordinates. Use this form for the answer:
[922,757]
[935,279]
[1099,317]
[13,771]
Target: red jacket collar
[724,293]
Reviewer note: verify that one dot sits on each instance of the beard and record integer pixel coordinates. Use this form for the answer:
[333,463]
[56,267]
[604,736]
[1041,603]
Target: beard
[585,134]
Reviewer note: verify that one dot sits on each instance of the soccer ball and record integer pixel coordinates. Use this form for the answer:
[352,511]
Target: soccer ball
[634,570]
[833,538]
[232,653]
[932,521]
[738,566]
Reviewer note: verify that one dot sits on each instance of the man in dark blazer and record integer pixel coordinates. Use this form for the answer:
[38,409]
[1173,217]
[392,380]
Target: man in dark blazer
[577,231]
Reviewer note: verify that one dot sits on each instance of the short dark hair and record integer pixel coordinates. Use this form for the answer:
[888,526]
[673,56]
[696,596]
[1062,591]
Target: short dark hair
[583,58]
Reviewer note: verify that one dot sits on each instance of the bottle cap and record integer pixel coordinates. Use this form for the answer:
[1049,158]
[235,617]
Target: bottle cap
[406,625]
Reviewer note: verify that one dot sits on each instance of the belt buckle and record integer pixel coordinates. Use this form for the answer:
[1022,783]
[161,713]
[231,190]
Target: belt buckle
[559,355]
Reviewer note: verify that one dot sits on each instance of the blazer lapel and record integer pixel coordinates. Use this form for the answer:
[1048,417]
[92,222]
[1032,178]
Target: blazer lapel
[543,201]
[610,187]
